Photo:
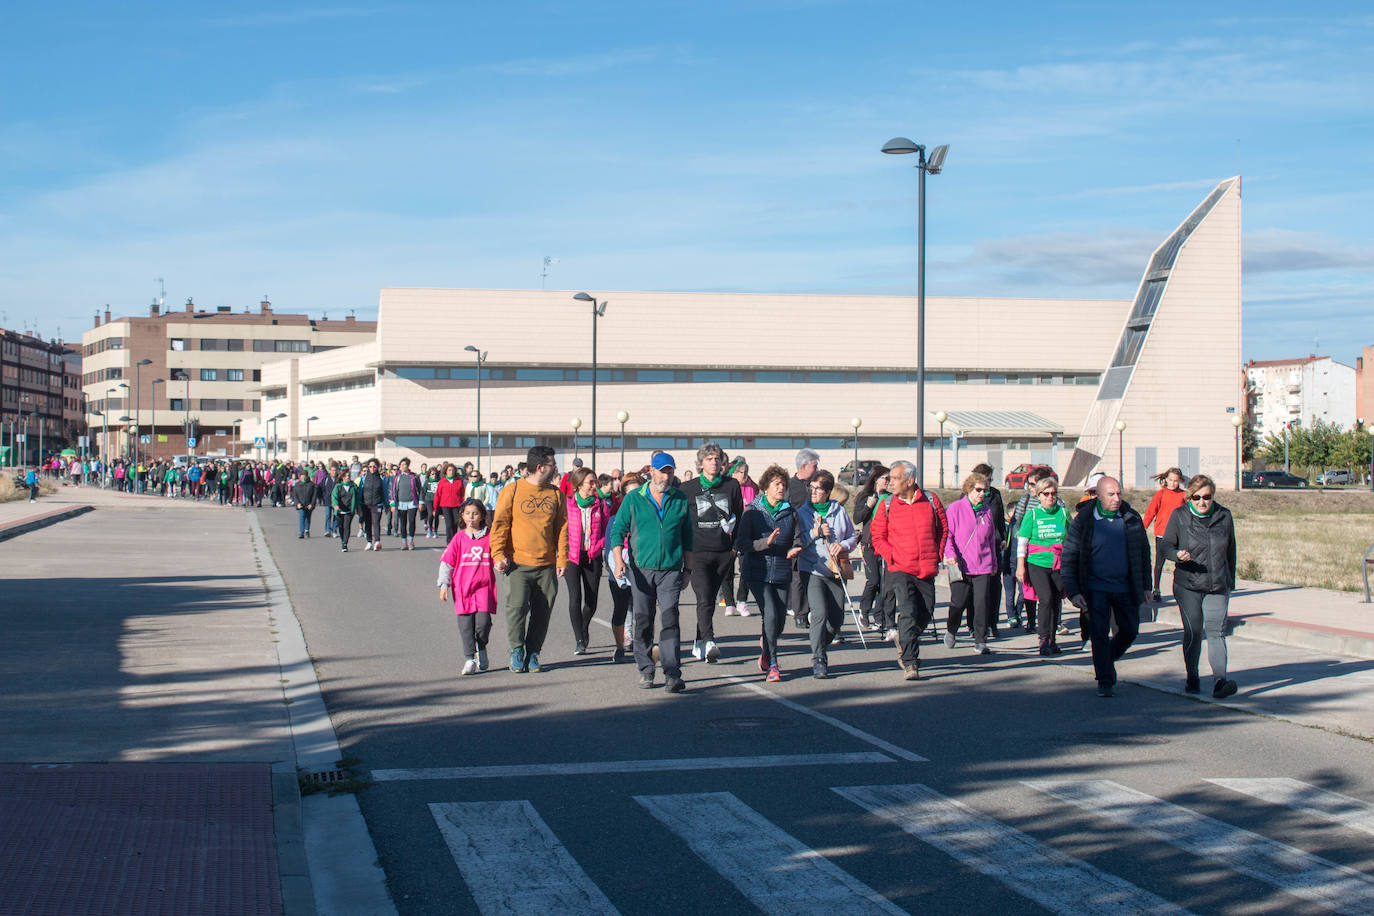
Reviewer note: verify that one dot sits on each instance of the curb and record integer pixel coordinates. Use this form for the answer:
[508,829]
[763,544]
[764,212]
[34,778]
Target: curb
[43,521]
[293,872]
[1335,641]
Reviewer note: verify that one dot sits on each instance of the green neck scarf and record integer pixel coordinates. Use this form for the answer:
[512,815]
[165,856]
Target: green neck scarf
[584,504]
[710,483]
[1192,507]
[1102,511]
[773,508]
[822,509]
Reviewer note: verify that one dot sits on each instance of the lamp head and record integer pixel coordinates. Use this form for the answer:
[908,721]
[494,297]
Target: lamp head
[308,419]
[1237,420]
[941,416]
[576,422]
[1120,425]
[470,348]
[856,422]
[145,362]
[623,416]
[937,159]
[583,297]
[279,416]
[901,146]
[601,310]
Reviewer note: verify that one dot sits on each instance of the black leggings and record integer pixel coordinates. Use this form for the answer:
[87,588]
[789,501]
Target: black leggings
[620,603]
[584,580]
[451,521]
[1159,560]
[1049,601]
[405,522]
[344,521]
[729,592]
[874,602]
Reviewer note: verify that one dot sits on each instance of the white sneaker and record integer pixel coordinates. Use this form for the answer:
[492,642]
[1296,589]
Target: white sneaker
[949,639]
[470,666]
[742,610]
[712,653]
[697,652]
[729,610]
[481,659]
[891,634]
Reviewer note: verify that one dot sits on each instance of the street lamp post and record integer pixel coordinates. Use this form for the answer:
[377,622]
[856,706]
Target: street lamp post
[1237,421]
[576,425]
[481,357]
[186,374]
[138,407]
[152,421]
[940,418]
[1121,453]
[856,422]
[598,310]
[237,434]
[105,446]
[623,416]
[127,420]
[933,165]
[307,438]
[273,421]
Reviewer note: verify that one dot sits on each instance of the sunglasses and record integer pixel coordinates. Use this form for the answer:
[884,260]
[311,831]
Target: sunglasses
[1049,492]
[980,489]
[1199,498]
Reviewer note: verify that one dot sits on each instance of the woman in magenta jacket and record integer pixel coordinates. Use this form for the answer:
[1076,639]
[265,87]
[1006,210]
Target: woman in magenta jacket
[588,515]
[971,558]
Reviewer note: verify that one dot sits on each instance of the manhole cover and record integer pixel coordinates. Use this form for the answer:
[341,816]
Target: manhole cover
[749,723]
[1111,738]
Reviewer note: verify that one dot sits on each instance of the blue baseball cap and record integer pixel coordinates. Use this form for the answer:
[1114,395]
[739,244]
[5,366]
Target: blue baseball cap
[663,462]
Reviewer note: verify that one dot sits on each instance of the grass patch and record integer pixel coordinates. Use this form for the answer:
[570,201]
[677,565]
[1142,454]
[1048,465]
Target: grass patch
[11,490]
[1323,551]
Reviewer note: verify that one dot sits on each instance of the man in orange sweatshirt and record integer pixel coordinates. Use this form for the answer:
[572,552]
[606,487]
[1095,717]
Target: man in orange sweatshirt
[529,542]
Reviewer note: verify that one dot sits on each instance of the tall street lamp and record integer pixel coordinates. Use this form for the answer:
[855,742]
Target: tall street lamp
[152,421]
[186,403]
[598,310]
[623,416]
[273,421]
[126,420]
[902,146]
[941,417]
[1121,453]
[576,425]
[307,438]
[856,422]
[481,358]
[138,416]
[1237,421]
[237,433]
[105,446]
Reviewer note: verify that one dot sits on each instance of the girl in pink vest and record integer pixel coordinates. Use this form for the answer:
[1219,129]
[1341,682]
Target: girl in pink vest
[466,568]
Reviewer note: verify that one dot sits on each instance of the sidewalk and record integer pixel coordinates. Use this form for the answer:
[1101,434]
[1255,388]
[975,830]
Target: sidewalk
[148,755]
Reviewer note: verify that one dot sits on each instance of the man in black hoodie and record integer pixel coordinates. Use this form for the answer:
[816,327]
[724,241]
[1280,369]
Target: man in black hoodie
[372,497]
[714,507]
[798,495]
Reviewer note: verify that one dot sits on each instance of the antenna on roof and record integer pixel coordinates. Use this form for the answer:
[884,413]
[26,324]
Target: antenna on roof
[161,292]
[544,274]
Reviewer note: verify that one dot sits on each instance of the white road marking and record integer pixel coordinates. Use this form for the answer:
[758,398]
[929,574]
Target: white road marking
[1291,793]
[1291,870]
[513,864]
[774,870]
[1055,880]
[845,727]
[591,768]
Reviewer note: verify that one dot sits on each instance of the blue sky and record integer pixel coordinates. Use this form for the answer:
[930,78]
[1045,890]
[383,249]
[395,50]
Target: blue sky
[318,153]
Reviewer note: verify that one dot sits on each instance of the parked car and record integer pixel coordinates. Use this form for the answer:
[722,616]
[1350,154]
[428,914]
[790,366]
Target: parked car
[1273,479]
[1332,478]
[1247,479]
[846,474]
[1016,477]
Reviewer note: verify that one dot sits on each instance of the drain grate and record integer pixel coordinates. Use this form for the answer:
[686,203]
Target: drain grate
[1111,738]
[749,723]
[327,777]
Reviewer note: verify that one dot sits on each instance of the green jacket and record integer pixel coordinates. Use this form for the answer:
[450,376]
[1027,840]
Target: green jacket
[655,542]
[346,491]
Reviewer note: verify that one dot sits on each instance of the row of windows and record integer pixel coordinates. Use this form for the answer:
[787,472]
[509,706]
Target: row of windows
[259,346]
[226,375]
[345,384]
[801,376]
[100,346]
[102,375]
[360,446]
[729,443]
[217,404]
[274,394]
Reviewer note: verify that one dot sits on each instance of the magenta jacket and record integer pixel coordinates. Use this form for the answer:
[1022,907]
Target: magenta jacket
[466,568]
[972,538]
[600,515]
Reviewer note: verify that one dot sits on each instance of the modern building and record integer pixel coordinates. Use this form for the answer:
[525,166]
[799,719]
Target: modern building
[1364,386]
[40,402]
[1016,380]
[1285,391]
[155,383]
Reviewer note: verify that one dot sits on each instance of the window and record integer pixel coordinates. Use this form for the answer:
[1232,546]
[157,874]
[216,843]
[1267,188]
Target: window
[1087,379]
[274,394]
[213,404]
[209,375]
[176,404]
[414,372]
[291,346]
[257,405]
[257,375]
[178,343]
[213,343]
[539,375]
[234,344]
[233,375]
[233,404]
[659,375]
[344,384]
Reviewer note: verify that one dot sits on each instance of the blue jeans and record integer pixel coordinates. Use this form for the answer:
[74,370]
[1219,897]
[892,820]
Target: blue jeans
[304,516]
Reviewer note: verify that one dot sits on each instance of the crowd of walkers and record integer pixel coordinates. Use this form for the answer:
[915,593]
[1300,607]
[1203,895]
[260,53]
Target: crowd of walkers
[787,542]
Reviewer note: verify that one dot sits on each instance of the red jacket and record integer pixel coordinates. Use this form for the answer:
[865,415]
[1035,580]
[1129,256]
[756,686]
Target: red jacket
[911,538]
[1162,506]
[450,493]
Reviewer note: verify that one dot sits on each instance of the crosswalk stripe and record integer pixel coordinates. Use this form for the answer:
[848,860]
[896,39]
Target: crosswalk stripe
[1300,796]
[597,767]
[1055,880]
[512,862]
[775,871]
[1291,870]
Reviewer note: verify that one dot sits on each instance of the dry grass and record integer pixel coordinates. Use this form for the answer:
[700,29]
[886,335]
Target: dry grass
[9,491]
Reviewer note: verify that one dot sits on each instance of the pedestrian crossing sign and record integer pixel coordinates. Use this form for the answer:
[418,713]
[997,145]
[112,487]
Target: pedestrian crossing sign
[259,442]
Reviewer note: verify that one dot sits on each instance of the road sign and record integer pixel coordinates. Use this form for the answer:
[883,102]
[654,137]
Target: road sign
[191,442]
[83,441]
[145,439]
[259,442]
[23,437]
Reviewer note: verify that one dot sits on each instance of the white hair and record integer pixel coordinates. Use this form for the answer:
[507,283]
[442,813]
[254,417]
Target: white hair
[807,456]
[907,466]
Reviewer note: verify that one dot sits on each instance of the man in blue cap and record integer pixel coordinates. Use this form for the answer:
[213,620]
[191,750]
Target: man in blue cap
[656,520]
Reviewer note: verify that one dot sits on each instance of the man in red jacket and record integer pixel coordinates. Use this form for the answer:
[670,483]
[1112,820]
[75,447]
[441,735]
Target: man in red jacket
[909,533]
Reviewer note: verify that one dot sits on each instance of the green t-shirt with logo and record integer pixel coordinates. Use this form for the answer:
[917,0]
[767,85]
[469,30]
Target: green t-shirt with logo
[1043,529]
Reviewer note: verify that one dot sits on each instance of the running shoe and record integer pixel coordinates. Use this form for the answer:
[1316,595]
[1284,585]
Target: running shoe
[729,610]
[891,634]
[470,666]
[763,656]
[712,653]
[774,674]
[819,670]
[532,663]
[1224,688]
[697,651]
[674,684]
[742,610]
[950,639]
[619,655]
[517,660]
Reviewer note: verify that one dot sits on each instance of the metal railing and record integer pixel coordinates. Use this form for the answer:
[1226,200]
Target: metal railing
[1368,562]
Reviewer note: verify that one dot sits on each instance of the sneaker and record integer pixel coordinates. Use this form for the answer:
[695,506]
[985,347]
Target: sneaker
[891,634]
[343,548]
[697,651]
[982,648]
[580,649]
[1083,646]
[1224,688]
[619,655]
[646,682]
[1104,690]
[774,674]
[873,627]
[470,666]
[950,639]
[1192,685]
[1055,650]
[721,602]
[763,656]
[911,671]
[300,537]
[742,610]
[532,663]
[377,546]
[1063,629]
[481,659]
[803,621]
[674,684]
[517,660]
[712,653]
[839,638]
[1014,622]
[819,670]
[729,610]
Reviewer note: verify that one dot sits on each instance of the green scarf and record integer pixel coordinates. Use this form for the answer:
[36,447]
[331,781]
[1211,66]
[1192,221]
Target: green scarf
[587,504]
[1102,511]
[710,483]
[1193,508]
[822,509]
[773,510]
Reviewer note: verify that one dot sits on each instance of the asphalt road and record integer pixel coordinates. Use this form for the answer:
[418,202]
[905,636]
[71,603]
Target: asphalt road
[996,784]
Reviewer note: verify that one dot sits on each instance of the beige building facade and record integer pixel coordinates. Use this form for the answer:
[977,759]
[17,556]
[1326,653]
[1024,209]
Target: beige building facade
[1018,380]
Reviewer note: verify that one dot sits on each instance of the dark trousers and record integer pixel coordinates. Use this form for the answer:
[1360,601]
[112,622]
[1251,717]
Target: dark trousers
[344,522]
[1102,608]
[708,572]
[372,523]
[730,593]
[529,605]
[1203,614]
[1159,560]
[620,603]
[973,595]
[875,602]
[827,613]
[303,516]
[915,598]
[584,581]
[798,597]
[1049,601]
[451,522]
[656,591]
[405,522]
[473,629]
[769,597]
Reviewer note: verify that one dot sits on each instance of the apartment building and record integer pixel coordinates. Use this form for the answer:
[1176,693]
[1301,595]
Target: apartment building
[40,396]
[1284,391]
[183,381]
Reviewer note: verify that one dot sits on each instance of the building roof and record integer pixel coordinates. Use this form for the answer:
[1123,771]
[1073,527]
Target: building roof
[1000,423]
[1265,363]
